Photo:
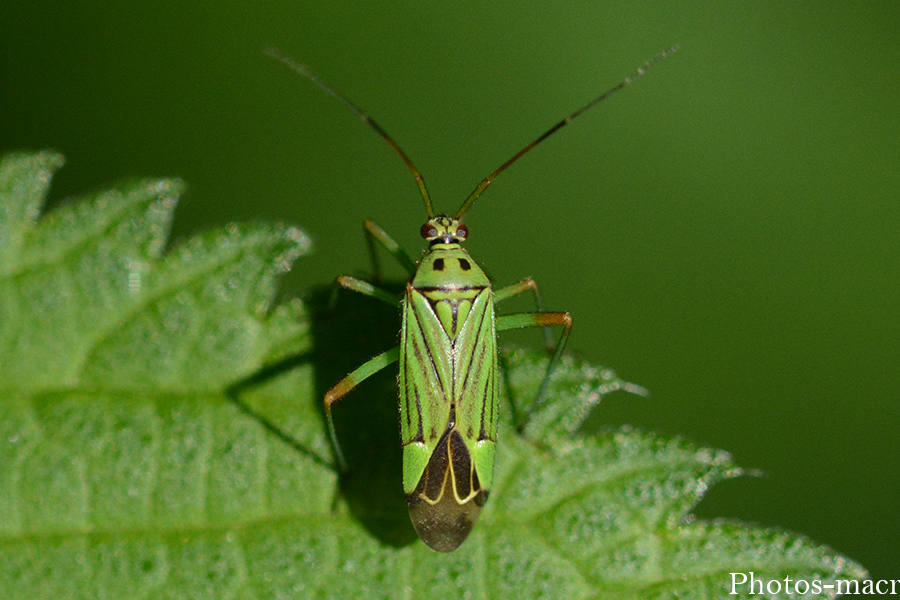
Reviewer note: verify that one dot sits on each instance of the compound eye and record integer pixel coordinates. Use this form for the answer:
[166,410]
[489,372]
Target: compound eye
[428,231]
[462,232]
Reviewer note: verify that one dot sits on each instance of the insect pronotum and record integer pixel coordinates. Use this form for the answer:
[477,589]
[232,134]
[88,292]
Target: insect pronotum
[448,380]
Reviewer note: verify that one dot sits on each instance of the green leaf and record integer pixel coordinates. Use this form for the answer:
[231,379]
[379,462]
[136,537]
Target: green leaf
[161,436]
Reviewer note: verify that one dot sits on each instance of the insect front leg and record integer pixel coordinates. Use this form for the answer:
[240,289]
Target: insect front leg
[360,374]
[373,234]
[365,288]
[546,320]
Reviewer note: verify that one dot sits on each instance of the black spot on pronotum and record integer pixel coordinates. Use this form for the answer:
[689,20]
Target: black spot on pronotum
[439,264]
[464,264]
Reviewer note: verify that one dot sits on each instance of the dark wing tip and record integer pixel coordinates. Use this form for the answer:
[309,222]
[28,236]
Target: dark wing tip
[448,499]
[447,524]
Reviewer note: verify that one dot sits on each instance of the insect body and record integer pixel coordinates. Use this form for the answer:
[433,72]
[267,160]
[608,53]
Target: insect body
[448,354]
[448,380]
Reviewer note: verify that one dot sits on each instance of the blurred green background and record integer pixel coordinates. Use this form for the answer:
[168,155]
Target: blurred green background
[725,232]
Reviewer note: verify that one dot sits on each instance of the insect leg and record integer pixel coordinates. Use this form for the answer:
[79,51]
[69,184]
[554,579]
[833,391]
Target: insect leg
[523,286]
[374,233]
[366,288]
[540,319]
[360,374]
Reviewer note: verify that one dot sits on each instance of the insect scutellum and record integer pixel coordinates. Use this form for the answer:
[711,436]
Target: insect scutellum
[448,362]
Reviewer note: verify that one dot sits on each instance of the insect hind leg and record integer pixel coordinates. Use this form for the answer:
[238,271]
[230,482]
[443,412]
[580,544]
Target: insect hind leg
[343,387]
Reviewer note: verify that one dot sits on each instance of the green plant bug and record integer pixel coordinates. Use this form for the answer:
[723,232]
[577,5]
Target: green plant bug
[448,360]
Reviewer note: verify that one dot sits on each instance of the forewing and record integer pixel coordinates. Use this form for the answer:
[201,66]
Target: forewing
[475,374]
[426,373]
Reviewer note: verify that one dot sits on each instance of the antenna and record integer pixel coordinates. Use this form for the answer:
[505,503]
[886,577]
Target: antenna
[490,178]
[305,71]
